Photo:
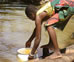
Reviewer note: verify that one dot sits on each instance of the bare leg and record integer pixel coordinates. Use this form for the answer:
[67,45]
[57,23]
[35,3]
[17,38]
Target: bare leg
[49,45]
[52,34]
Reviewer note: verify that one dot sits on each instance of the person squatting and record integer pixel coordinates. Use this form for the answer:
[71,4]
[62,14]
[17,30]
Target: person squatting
[56,11]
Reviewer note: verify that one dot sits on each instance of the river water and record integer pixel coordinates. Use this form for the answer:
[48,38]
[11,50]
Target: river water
[16,28]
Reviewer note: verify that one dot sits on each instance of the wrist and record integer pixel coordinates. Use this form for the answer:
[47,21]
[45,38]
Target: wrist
[31,54]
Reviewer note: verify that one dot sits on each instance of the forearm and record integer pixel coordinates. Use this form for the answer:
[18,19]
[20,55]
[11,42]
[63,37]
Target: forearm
[32,36]
[36,44]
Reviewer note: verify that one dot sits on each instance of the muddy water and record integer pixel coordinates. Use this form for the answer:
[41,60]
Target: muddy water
[16,28]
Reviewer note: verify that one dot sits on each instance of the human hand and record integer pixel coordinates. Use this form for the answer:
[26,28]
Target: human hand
[28,44]
[31,57]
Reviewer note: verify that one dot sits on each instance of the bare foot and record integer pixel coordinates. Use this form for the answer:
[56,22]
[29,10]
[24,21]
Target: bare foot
[55,55]
[28,44]
[48,46]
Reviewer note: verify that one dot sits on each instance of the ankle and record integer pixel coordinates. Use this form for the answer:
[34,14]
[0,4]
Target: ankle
[57,51]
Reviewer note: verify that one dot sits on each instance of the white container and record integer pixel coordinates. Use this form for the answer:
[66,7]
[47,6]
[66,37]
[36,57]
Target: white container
[23,54]
[23,58]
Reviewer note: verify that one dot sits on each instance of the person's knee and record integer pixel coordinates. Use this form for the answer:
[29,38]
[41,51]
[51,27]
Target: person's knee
[49,28]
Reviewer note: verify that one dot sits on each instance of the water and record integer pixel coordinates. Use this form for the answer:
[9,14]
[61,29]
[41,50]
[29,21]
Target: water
[16,28]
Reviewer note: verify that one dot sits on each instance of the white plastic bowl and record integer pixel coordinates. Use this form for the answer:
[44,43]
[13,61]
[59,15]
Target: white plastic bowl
[23,54]
[23,58]
[25,51]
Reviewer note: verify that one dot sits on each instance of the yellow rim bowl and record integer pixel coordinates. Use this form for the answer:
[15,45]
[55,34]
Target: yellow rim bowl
[25,51]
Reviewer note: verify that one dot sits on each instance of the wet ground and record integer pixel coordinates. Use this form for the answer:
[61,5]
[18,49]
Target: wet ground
[16,28]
